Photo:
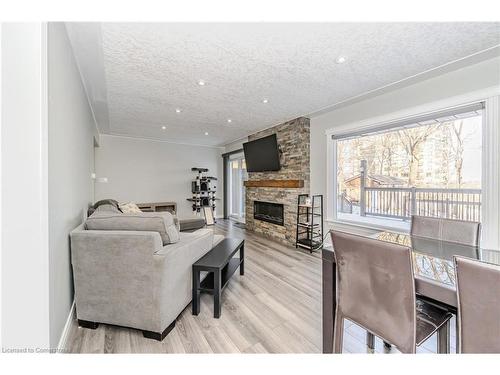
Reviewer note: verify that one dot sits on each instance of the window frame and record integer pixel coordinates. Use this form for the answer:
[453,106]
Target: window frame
[490,183]
[234,157]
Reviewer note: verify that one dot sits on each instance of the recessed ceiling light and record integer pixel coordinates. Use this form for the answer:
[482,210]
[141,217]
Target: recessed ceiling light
[340,59]
[163,127]
[229,120]
[206,133]
[178,110]
[201,82]
[265,101]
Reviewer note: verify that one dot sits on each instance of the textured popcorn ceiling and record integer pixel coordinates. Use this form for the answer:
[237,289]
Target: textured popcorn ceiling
[138,74]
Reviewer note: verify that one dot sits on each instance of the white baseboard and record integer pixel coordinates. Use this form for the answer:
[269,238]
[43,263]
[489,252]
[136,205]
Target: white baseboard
[64,335]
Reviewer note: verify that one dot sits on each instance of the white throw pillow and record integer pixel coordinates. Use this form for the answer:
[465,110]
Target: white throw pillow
[130,208]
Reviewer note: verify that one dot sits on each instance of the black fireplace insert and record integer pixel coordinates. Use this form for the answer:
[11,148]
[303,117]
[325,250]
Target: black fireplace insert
[267,211]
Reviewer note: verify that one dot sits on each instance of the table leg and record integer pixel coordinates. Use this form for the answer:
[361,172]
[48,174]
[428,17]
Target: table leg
[443,339]
[242,259]
[195,303]
[370,340]
[329,303]
[217,293]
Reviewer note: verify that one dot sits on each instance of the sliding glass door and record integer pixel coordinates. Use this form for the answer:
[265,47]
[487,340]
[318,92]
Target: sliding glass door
[237,173]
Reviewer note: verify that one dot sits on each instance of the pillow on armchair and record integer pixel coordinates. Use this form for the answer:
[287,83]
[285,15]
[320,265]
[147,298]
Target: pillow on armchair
[161,222]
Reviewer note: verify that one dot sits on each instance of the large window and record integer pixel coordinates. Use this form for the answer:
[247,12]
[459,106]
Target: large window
[428,166]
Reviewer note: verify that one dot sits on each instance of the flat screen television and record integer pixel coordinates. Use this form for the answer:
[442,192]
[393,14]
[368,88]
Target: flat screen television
[262,154]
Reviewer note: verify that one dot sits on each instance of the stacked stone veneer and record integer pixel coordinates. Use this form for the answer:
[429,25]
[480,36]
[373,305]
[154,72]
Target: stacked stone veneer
[293,139]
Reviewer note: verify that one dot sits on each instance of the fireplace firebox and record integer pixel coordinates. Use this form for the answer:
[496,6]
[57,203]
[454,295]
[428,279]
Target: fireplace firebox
[270,212]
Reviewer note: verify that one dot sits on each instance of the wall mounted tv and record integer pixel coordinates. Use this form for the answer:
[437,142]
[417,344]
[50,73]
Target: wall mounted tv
[262,154]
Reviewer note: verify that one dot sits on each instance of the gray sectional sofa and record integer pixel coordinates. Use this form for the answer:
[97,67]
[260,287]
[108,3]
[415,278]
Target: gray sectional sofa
[132,278]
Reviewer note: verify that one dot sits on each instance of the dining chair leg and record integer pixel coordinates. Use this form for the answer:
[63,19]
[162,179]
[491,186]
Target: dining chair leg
[443,339]
[338,336]
[370,340]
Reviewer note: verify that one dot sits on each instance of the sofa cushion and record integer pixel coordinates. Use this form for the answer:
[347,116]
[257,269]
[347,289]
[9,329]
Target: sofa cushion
[191,224]
[161,222]
[187,238]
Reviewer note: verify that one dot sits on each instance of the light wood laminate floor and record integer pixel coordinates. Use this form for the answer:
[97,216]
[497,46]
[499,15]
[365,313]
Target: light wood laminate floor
[274,308]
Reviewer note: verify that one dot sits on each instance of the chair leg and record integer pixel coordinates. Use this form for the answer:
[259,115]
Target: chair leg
[457,335]
[370,340]
[443,339]
[338,334]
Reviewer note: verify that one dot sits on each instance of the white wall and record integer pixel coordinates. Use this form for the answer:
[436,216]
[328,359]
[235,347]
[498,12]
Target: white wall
[459,82]
[71,162]
[140,170]
[24,160]
[236,145]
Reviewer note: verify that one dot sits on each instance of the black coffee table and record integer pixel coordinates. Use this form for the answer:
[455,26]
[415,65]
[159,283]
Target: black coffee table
[221,265]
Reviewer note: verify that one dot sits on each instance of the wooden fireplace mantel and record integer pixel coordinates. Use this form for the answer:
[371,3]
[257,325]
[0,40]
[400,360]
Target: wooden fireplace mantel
[287,184]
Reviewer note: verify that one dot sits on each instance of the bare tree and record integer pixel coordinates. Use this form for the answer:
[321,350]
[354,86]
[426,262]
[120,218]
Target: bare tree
[341,151]
[458,150]
[412,140]
[385,149]
[457,146]
[445,158]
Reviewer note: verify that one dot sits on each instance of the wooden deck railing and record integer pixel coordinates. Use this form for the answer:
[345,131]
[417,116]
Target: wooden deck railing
[461,204]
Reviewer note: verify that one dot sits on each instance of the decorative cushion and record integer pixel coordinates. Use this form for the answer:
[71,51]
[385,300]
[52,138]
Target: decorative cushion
[106,202]
[161,222]
[130,207]
[107,208]
[177,223]
[102,202]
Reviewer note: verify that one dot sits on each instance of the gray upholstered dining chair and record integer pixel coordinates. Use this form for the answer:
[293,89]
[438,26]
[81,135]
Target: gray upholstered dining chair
[458,231]
[376,290]
[478,295]
[453,231]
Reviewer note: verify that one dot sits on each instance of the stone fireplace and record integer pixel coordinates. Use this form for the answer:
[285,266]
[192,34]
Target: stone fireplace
[293,140]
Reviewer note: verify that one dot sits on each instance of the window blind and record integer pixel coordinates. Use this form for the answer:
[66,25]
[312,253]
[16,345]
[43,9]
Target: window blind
[421,120]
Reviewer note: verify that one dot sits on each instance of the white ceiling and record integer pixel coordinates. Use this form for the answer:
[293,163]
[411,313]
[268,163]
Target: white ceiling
[137,74]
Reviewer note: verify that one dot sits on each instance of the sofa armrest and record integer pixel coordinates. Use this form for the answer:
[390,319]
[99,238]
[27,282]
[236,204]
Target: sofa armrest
[115,278]
[175,262]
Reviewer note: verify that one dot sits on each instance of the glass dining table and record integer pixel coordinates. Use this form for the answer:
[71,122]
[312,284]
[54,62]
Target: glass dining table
[433,269]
